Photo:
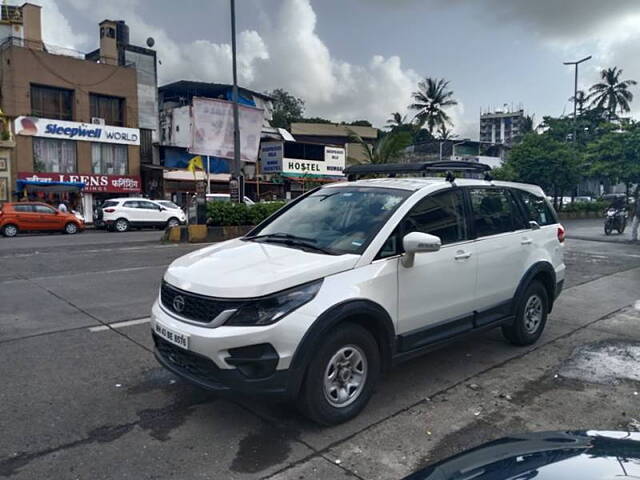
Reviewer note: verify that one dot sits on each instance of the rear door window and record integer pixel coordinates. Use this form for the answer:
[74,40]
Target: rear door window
[131,204]
[537,208]
[494,211]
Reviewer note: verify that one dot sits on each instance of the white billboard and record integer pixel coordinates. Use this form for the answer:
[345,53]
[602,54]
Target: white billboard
[212,129]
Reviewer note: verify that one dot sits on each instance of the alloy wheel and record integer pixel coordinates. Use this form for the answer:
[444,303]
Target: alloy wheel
[533,314]
[345,376]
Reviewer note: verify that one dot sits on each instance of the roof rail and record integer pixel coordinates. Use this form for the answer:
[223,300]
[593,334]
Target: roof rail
[391,169]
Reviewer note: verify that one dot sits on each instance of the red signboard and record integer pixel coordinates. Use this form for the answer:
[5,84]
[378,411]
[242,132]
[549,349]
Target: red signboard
[93,182]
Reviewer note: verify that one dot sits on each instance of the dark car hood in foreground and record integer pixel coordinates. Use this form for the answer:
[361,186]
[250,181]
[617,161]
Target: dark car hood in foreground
[544,456]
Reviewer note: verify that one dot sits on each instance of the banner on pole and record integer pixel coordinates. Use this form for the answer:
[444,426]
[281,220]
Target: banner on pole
[212,129]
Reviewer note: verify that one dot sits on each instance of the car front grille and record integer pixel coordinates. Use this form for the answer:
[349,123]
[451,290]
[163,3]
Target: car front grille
[193,306]
[186,362]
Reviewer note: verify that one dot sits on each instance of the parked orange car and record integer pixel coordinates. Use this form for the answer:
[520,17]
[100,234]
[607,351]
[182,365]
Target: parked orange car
[36,216]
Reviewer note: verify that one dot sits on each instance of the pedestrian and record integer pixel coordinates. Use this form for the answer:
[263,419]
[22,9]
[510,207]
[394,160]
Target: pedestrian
[62,207]
[636,216]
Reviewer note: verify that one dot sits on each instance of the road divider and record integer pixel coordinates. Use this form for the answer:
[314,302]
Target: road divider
[203,233]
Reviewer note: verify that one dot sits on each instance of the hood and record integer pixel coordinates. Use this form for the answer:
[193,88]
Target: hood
[241,269]
[544,455]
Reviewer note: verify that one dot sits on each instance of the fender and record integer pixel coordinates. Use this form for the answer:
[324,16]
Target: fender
[540,267]
[363,312]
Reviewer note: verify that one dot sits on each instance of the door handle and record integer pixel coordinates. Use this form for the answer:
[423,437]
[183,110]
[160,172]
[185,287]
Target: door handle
[526,241]
[462,255]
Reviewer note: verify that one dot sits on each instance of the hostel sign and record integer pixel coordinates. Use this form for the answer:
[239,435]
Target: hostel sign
[273,159]
[88,132]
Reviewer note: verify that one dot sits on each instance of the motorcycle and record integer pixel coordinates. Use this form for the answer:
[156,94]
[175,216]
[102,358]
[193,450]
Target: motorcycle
[615,219]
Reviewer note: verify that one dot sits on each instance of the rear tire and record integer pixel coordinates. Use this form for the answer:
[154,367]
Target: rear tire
[531,316]
[70,228]
[173,222]
[341,376]
[121,225]
[10,230]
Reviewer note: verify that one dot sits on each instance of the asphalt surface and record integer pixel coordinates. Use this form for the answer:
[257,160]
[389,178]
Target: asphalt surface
[83,398]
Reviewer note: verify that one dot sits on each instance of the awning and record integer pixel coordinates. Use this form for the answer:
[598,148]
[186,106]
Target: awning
[38,186]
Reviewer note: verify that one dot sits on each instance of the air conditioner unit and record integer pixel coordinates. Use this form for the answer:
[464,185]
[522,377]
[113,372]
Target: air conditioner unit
[97,120]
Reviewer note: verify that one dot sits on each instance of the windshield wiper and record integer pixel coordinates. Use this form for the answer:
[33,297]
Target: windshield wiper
[293,241]
[287,236]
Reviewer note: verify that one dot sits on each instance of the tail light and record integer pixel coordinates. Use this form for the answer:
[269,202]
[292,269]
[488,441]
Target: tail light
[109,210]
[560,233]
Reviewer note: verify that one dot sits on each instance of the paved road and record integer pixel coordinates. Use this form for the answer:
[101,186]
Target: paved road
[593,229]
[81,400]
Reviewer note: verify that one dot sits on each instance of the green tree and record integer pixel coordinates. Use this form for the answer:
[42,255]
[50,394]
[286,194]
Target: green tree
[386,149]
[445,133]
[430,101]
[545,161]
[313,120]
[612,94]
[286,108]
[616,156]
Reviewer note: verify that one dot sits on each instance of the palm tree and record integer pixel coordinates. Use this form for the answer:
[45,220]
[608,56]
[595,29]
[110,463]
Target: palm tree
[430,100]
[580,99]
[612,94]
[396,120]
[387,148]
[445,133]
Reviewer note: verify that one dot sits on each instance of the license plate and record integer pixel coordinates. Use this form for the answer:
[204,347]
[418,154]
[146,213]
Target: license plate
[179,339]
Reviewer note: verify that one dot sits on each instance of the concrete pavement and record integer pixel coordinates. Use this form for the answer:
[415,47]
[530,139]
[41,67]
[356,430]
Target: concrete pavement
[81,403]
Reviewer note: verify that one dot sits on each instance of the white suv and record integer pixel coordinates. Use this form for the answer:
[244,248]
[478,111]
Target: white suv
[352,278]
[120,214]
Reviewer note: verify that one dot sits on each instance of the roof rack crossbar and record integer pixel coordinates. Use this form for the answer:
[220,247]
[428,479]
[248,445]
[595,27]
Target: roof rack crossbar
[423,167]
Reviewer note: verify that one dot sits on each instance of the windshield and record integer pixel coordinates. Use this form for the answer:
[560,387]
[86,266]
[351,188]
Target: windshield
[168,204]
[342,220]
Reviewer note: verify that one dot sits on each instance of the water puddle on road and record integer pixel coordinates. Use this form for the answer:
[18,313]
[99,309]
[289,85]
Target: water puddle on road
[607,362]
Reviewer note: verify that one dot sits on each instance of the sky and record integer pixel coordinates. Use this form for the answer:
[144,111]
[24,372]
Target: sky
[362,59]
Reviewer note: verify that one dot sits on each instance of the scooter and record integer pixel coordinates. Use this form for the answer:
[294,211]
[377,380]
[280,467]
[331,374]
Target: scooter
[615,219]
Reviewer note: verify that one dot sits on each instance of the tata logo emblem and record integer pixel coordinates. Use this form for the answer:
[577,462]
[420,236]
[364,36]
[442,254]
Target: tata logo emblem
[178,303]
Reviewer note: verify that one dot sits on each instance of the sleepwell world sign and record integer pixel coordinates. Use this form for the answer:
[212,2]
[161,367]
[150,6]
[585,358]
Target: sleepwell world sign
[274,159]
[88,132]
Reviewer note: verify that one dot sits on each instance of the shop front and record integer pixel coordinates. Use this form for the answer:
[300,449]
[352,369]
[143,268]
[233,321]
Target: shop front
[96,189]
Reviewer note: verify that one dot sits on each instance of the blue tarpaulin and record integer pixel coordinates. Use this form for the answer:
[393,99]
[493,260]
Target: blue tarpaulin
[179,158]
[40,186]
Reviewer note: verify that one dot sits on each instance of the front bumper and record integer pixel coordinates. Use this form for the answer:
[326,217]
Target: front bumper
[203,372]
[250,360]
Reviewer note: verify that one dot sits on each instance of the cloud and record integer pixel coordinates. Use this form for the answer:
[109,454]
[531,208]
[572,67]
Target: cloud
[286,53]
[56,29]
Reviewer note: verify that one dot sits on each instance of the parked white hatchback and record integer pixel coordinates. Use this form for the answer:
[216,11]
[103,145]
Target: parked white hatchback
[120,214]
[354,277]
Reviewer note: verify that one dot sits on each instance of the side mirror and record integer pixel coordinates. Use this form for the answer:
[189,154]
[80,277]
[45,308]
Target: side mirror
[418,242]
[534,225]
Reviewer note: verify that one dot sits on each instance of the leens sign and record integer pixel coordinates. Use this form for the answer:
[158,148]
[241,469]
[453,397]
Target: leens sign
[273,160]
[60,129]
[93,183]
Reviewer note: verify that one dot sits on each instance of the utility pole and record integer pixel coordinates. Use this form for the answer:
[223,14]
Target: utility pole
[235,170]
[575,95]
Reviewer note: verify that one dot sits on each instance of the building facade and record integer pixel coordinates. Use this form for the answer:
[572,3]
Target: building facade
[74,120]
[501,126]
[336,135]
[176,137]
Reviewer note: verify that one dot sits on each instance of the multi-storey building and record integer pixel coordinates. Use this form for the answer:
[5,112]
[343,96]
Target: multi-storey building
[501,126]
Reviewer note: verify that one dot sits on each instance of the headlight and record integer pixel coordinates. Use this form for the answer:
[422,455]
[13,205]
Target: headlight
[270,309]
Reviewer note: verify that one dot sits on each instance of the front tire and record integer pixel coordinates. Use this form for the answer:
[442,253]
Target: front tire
[70,228]
[121,225]
[608,228]
[9,230]
[341,376]
[531,316]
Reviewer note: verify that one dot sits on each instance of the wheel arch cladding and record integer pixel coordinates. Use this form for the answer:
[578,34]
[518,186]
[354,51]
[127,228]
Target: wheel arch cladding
[545,274]
[365,313]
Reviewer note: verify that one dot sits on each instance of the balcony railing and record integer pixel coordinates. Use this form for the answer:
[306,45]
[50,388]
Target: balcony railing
[8,42]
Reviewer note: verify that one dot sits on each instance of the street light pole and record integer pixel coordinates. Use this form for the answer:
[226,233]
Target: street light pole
[235,171]
[575,95]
